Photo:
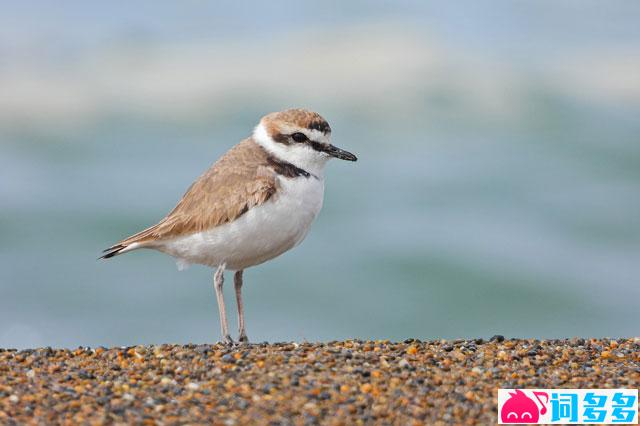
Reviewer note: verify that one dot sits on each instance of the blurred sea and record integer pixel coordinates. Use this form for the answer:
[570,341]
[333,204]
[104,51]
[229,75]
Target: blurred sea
[497,189]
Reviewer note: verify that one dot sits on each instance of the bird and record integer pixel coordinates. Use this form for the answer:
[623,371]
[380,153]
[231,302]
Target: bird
[253,204]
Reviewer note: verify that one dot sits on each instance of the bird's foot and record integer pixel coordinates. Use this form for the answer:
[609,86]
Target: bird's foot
[228,341]
[243,339]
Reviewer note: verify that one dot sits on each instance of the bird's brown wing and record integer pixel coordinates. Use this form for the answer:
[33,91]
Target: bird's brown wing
[240,180]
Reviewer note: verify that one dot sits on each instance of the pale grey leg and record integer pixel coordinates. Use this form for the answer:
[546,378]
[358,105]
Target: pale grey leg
[218,281]
[237,281]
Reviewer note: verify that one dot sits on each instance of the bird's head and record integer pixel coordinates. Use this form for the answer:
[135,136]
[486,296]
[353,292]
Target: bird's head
[300,137]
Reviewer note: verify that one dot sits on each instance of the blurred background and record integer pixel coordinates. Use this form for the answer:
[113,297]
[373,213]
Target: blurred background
[497,191]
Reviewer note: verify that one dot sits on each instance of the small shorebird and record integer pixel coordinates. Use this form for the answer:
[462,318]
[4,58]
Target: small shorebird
[256,202]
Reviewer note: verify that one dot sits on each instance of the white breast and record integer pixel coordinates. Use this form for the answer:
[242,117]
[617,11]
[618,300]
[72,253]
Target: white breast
[262,233]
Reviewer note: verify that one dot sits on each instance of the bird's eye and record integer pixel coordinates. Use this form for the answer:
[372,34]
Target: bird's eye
[299,137]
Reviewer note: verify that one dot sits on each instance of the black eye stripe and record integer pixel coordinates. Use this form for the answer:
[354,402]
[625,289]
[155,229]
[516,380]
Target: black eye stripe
[317,146]
[299,137]
[286,139]
[281,138]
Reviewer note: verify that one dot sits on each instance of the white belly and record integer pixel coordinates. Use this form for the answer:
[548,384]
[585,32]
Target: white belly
[260,234]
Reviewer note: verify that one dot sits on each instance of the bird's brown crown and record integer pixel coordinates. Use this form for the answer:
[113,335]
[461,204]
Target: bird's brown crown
[290,119]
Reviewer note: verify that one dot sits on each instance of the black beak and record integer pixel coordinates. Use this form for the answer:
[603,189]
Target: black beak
[334,151]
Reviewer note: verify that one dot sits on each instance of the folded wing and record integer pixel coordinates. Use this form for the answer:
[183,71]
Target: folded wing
[238,181]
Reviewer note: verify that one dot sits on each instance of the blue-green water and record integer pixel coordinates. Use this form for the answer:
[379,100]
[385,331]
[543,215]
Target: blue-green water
[497,189]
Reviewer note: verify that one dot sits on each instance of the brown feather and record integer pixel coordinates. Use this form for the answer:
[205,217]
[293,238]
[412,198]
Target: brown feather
[240,180]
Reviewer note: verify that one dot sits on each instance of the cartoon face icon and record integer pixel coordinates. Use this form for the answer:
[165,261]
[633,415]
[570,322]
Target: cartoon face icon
[519,408]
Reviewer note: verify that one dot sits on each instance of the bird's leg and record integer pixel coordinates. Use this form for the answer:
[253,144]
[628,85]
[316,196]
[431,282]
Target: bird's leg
[237,281]
[218,281]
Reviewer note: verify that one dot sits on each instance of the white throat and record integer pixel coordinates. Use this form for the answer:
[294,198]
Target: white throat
[300,155]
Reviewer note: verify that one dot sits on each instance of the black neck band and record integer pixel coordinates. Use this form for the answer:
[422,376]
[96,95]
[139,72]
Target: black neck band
[287,169]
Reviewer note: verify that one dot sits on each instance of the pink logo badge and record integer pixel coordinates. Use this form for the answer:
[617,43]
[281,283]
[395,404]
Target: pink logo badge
[519,408]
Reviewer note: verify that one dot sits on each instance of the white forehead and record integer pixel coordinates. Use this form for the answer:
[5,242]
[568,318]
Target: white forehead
[317,135]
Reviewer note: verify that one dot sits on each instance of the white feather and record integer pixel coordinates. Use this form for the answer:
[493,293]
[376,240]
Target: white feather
[130,247]
[182,264]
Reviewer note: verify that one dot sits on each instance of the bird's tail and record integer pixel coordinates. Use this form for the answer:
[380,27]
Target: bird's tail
[116,250]
[136,241]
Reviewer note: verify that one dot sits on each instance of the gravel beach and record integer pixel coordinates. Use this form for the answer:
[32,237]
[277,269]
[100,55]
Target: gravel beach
[335,383]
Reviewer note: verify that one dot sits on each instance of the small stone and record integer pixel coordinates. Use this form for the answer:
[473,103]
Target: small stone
[497,338]
[167,381]
[192,386]
[403,363]
[383,362]
[324,396]
[366,388]
[311,408]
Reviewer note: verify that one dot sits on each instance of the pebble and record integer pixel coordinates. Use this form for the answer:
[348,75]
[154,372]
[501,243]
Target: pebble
[193,386]
[336,383]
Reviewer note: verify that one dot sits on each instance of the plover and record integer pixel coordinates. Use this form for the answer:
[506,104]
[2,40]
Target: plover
[255,203]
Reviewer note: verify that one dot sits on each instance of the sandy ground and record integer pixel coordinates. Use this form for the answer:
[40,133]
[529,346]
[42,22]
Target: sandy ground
[335,383]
